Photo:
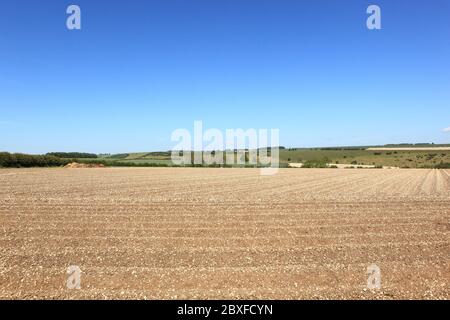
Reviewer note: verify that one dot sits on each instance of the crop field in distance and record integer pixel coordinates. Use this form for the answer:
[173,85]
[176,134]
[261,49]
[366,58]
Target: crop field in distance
[211,233]
[402,156]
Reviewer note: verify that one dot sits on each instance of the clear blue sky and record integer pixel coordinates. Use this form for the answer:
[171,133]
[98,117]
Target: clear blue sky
[137,70]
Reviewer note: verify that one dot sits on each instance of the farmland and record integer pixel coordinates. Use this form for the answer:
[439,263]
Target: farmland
[402,157]
[171,233]
[411,158]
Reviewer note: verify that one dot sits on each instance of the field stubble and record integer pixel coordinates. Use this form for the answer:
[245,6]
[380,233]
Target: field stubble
[224,233]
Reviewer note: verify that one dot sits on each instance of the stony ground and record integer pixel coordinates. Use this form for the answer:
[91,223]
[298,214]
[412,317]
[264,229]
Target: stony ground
[165,233]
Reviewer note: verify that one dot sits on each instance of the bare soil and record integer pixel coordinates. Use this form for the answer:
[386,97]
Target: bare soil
[173,233]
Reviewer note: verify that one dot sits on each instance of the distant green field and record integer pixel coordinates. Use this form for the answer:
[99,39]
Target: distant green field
[148,155]
[415,145]
[123,161]
[147,160]
[410,159]
[316,154]
[343,155]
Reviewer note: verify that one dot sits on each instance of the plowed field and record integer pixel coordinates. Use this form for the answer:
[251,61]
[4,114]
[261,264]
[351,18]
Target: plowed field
[173,233]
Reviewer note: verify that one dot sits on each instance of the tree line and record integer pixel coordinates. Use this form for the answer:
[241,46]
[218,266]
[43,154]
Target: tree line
[20,160]
[70,155]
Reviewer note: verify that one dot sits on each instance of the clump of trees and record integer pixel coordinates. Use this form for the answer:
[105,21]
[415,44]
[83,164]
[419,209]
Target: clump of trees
[70,155]
[316,163]
[443,165]
[20,160]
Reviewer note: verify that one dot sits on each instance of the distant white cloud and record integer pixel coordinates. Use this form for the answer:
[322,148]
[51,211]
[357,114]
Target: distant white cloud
[446,129]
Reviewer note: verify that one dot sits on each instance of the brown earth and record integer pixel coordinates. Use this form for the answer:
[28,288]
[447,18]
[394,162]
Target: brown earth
[84,165]
[224,233]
